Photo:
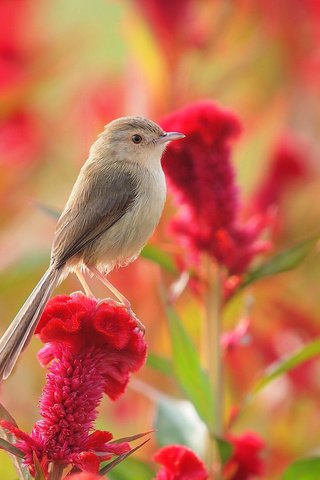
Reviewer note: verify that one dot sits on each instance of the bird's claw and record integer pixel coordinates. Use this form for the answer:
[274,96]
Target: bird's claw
[129,310]
[110,301]
[139,324]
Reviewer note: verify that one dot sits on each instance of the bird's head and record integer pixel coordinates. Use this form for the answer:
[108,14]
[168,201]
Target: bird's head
[134,139]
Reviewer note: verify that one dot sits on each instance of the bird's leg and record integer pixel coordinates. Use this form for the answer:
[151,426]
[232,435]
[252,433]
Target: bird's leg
[83,282]
[123,300]
[110,287]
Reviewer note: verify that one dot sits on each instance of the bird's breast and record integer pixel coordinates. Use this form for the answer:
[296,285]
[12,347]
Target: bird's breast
[123,242]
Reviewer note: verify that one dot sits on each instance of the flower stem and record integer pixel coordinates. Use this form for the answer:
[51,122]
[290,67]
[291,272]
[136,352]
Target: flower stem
[214,356]
[56,472]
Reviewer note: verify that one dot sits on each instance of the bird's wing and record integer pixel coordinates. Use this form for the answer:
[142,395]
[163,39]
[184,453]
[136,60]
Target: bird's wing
[99,207]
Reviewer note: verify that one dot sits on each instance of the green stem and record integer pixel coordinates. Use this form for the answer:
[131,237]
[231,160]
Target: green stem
[214,357]
[56,472]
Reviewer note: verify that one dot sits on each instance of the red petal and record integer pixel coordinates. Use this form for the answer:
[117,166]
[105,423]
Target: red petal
[86,461]
[114,324]
[19,434]
[85,476]
[98,439]
[180,463]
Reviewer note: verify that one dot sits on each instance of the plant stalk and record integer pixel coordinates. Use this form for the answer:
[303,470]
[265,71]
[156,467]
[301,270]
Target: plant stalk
[214,359]
[56,472]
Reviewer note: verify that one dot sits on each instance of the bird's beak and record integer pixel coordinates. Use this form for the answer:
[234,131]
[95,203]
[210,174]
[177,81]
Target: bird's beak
[169,136]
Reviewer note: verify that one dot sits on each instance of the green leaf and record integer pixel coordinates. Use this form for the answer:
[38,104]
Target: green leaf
[225,449]
[131,469]
[22,270]
[193,380]
[110,466]
[22,471]
[49,211]
[306,469]
[39,470]
[177,422]
[131,438]
[159,363]
[156,255]
[281,262]
[287,363]
[8,447]
[5,415]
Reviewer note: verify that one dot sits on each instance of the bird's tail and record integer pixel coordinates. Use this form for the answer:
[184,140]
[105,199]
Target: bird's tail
[22,327]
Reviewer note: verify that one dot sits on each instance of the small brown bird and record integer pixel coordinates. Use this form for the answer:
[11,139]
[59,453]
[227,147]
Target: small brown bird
[114,206]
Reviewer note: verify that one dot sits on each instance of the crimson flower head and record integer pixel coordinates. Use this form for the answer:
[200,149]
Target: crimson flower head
[13,53]
[78,325]
[299,46]
[179,463]
[289,164]
[202,180]
[20,139]
[236,337]
[175,24]
[85,476]
[94,106]
[92,348]
[246,461]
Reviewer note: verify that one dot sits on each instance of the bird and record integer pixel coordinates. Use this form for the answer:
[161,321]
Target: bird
[113,209]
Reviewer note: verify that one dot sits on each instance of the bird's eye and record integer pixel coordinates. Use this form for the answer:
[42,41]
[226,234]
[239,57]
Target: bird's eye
[136,138]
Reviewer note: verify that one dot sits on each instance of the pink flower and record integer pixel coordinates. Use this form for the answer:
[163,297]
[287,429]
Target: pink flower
[93,348]
[96,104]
[14,16]
[77,325]
[292,326]
[179,463]
[84,476]
[20,139]
[246,462]
[175,24]
[236,337]
[201,178]
[299,46]
[289,164]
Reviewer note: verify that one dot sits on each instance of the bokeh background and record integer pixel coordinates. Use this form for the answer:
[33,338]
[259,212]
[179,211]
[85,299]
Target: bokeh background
[69,67]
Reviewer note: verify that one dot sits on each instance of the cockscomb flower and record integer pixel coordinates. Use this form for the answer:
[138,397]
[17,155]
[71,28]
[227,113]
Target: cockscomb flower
[289,164]
[94,106]
[298,46]
[246,461]
[92,348]
[237,337]
[13,53]
[20,140]
[85,476]
[175,24]
[179,463]
[202,180]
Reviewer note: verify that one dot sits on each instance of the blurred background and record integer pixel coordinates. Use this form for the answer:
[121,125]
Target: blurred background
[67,69]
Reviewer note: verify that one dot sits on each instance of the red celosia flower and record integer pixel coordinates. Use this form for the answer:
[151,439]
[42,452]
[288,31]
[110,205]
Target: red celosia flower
[93,347]
[12,70]
[236,337]
[20,139]
[299,46]
[201,177]
[292,326]
[84,476]
[179,463]
[15,21]
[246,461]
[174,23]
[96,104]
[289,164]
[78,325]
[21,142]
